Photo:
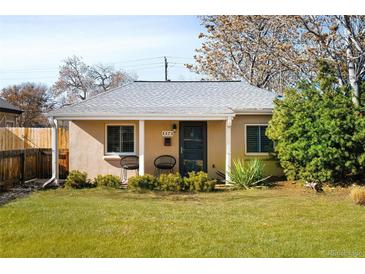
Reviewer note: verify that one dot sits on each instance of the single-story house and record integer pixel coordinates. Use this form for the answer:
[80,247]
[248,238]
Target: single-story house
[9,114]
[204,125]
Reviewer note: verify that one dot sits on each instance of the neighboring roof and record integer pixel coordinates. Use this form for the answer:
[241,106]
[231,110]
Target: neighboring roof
[7,107]
[173,98]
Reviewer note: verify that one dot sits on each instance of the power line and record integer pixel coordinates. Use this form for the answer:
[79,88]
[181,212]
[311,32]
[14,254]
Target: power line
[28,78]
[147,68]
[143,65]
[27,71]
[52,69]
[56,70]
[136,60]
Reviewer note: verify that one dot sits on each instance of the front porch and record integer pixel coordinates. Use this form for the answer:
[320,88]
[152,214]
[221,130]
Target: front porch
[93,148]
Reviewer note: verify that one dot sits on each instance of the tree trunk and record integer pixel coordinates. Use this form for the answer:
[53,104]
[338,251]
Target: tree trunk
[352,78]
[351,70]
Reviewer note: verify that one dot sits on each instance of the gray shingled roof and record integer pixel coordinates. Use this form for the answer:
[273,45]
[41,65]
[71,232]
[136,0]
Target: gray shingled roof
[173,98]
[7,107]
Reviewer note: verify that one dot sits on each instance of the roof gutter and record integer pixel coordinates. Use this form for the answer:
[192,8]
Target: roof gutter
[254,112]
[9,110]
[220,116]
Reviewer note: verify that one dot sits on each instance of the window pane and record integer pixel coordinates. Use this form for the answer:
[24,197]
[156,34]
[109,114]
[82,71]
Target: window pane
[127,138]
[120,139]
[266,143]
[128,147]
[252,139]
[113,135]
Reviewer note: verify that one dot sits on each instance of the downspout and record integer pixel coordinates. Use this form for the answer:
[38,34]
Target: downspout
[54,178]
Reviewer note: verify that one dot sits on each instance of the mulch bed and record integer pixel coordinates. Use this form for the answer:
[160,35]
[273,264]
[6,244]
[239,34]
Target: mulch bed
[20,191]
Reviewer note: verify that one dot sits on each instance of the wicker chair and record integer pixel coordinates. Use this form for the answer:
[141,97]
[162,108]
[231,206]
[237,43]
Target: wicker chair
[164,163]
[130,162]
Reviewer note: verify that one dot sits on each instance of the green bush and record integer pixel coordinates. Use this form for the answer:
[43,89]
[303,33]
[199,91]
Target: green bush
[171,182]
[145,182]
[319,134]
[107,181]
[246,174]
[78,179]
[199,182]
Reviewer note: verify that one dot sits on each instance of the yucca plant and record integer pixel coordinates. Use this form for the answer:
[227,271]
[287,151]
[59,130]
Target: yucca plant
[246,174]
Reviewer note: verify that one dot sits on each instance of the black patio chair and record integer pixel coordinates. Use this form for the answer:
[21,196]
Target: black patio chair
[164,163]
[130,162]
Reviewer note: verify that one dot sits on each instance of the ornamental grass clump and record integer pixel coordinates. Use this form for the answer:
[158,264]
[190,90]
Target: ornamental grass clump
[358,195]
[245,175]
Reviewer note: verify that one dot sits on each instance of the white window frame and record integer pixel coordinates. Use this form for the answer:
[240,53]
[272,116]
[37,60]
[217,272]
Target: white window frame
[253,153]
[119,153]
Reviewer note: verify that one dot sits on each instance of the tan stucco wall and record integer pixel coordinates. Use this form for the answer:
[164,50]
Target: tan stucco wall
[154,143]
[239,137]
[8,117]
[87,140]
[216,147]
[217,144]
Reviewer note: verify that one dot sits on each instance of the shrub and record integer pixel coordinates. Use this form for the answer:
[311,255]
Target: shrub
[246,174]
[107,181]
[318,132]
[142,182]
[199,182]
[78,179]
[358,195]
[171,182]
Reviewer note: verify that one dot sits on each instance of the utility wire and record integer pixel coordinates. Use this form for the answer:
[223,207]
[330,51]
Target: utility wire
[47,68]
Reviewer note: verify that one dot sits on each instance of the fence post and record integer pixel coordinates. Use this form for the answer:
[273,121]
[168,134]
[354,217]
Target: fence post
[22,166]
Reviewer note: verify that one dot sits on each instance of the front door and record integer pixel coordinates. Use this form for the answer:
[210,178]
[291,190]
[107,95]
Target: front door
[193,147]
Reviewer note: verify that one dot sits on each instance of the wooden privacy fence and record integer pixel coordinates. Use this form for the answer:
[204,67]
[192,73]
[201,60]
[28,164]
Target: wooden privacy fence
[25,153]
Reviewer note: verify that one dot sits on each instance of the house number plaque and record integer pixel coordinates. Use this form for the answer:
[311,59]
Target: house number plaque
[167,133]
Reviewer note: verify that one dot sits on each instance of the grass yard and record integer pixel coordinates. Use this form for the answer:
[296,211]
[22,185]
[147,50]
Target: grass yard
[281,222]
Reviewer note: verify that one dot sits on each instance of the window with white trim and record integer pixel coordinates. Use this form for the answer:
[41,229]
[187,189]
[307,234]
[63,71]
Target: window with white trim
[120,139]
[256,139]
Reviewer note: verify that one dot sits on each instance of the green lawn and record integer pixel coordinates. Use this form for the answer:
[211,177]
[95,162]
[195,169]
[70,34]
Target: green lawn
[280,222]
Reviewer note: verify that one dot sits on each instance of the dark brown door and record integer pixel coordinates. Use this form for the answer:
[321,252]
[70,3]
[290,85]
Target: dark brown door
[193,147]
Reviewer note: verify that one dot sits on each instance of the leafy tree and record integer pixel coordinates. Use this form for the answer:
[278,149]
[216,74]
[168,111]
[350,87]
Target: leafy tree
[259,49]
[33,99]
[318,131]
[340,39]
[77,80]
[275,51]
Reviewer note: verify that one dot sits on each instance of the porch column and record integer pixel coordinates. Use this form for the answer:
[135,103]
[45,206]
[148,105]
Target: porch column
[55,167]
[228,147]
[141,147]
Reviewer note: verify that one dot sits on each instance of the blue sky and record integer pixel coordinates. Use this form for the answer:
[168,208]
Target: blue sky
[33,47]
